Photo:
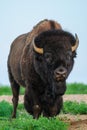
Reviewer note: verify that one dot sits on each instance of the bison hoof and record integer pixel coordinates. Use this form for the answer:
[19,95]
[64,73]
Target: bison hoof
[13,116]
[36,111]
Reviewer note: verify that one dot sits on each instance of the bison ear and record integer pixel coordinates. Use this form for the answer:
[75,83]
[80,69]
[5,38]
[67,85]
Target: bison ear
[37,49]
[76,43]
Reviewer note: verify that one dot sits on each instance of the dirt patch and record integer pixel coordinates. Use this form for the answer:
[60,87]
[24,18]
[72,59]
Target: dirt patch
[71,97]
[9,98]
[78,125]
[76,97]
[77,122]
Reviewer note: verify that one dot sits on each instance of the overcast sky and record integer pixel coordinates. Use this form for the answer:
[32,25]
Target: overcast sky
[19,16]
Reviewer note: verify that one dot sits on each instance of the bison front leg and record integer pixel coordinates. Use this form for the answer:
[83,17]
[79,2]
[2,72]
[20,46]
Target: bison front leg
[15,90]
[31,103]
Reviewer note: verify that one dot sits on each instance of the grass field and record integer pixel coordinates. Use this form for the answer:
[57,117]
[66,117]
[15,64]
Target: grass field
[76,88]
[6,90]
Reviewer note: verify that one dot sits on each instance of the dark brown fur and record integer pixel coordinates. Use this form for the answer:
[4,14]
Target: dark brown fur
[23,70]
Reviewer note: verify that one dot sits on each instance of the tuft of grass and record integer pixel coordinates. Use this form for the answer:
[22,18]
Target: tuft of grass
[5,109]
[22,90]
[20,106]
[76,88]
[5,90]
[74,107]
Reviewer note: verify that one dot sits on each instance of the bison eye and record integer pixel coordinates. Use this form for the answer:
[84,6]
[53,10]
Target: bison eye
[48,57]
[38,58]
[69,55]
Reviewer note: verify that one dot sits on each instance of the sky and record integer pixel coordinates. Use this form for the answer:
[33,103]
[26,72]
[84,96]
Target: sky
[20,16]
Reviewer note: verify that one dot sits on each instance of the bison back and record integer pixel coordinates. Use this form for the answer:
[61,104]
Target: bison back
[14,58]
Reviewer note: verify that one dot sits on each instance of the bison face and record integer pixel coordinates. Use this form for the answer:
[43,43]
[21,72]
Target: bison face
[53,59]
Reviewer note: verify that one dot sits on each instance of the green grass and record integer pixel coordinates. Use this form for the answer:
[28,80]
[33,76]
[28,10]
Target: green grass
[24,121]
[5,109]
[74,107]
[76,88]
[6,90]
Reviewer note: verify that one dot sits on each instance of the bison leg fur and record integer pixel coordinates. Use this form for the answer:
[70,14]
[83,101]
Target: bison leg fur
[15,90]
[31,103]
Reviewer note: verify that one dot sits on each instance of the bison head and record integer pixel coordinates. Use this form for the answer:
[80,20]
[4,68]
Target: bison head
[54,58]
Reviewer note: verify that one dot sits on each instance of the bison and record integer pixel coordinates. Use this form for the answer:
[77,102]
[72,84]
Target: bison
[41,61]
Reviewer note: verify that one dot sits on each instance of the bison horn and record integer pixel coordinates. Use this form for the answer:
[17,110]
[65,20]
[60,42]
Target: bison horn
[76,44]
[37,49]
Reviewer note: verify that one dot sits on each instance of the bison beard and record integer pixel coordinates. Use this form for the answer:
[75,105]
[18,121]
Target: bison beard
[41,61]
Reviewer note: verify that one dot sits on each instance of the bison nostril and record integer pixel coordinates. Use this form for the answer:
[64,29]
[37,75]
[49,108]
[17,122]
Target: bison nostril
[61,71]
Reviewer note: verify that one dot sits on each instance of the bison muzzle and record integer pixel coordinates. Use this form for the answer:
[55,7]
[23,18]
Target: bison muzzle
[41,61]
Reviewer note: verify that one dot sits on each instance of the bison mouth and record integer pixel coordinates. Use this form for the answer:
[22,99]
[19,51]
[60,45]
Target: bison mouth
[54,87]
[48,98]
[53,91]
[59,87]
[60,78]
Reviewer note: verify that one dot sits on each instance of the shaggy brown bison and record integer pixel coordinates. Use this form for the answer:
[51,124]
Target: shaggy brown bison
[41,60]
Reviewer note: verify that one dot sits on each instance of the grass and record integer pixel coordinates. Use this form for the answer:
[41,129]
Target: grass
[76,88]
[5,109]
[6,90]
[24,121]
[74,107]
